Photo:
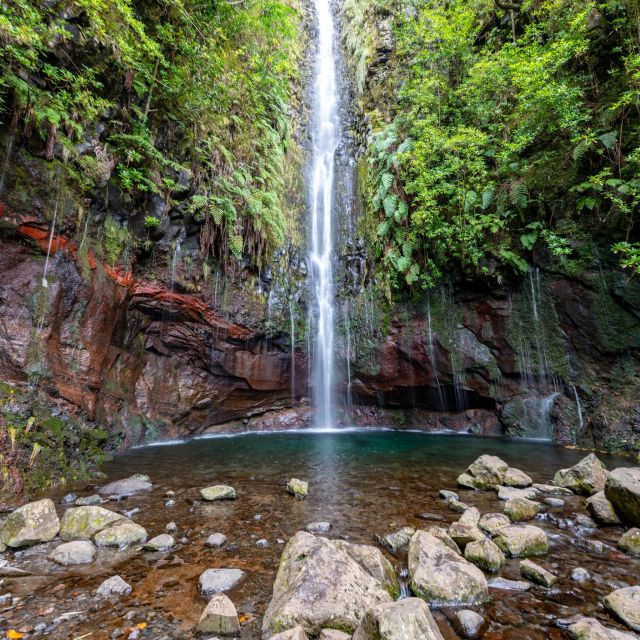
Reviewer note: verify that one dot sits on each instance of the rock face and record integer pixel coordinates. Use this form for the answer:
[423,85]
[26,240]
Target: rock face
[601,509]
[320,585]
[220,617]
[522,541]
[218,580]
[30,524]
[127,487]
[624,604]
[218,492]
[407,619]
[77,552]
[442,577]
[585,478]
[623,491]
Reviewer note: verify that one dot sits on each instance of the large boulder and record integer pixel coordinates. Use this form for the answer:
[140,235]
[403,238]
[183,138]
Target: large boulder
[126,487]
[491,522]
[76,552]
[220,617]
[585,478]
[442,577]
[591,629]
[520,509]
[408,619]
[601,509]
[624,604]
[82,523]
[319,584]
[30,524]
[522,541]
[484,554]
[484,473]
[623,491]
[516,478]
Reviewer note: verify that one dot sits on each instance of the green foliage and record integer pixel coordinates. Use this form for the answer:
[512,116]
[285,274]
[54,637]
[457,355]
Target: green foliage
[495,139]
[116,240]
[184,87]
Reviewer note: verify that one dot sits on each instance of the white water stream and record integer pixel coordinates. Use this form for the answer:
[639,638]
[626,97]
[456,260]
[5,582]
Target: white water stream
[325,141]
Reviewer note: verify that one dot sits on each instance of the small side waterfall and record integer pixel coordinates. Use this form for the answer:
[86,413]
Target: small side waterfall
[325,141]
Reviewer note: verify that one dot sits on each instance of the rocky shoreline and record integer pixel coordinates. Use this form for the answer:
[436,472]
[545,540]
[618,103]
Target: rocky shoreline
[333,588]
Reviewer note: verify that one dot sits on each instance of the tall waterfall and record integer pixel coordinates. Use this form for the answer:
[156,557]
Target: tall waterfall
[325,138]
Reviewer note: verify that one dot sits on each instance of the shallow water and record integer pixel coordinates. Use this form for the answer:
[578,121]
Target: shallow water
[363,482]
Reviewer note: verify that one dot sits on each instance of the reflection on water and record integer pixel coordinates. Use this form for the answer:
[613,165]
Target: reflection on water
[364,483]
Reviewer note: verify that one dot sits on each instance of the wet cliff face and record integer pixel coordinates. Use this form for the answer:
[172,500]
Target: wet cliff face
[145,361]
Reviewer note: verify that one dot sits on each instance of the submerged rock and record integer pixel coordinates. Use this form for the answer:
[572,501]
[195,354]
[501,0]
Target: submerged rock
[127,487]
[623,491]
[298,488]
[30,524]
[163,542]
[407,619]
[218,492]
[521,509]
[114,586]
[217,580]
[591,629]
[585,478]
[522,541]
[216,540]
[485,554]
[601,509]
[630,542]
[319,584]
[491,522]
[397,540]
[624,604]
[219,616]
[76,552]
[468,623]
[442,577]
[484,473]
[537,574]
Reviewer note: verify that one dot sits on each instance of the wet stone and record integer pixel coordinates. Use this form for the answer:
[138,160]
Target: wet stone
[217,580]
[398,539]
[630,542]
[89,500]
[318,527]
[579,574]
[163,542]
[216,540]
[468,623]
[509,585]
[114,586]
[77,552]
[537,574]
[447,495]
[298,488]
[218,492]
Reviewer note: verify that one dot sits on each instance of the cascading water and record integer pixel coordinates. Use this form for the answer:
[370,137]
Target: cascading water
[325,141]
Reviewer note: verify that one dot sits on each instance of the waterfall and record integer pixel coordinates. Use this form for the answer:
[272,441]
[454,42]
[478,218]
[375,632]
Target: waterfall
[292,337]
[432,356]
[325,139]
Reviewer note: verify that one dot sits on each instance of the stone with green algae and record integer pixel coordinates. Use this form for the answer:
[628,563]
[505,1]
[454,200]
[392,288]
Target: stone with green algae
[218,492]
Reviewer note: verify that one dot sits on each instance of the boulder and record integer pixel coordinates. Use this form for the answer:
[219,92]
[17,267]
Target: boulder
[127,487]
[470,517]
[297,633]
[447,495]
[89,501]
[536,573]
[407,619]
[509,493]
[218,492]
[121,534]
[333,634]
[591,629]
[624,604]
[630,542]
[491,522]
[555,503]
[397,540]
[551,489]
[219,616]
[522,541]
[601,509]
[463,534]
[580,574]
[516,478]
[114,586]
[623,491]
[218,580]
[318,527]
[521,509]
[585,478]
[298,488]
[442,577]
[76,552]
[216,540]
[444,537]
[457,506]
[82,523]
[468,623]
[484,554]
[30,524]
[319,584]
[484,473]
[163,542]
[68,499]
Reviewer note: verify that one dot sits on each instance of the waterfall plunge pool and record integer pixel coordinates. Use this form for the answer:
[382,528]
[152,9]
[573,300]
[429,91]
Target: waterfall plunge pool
[365,483]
